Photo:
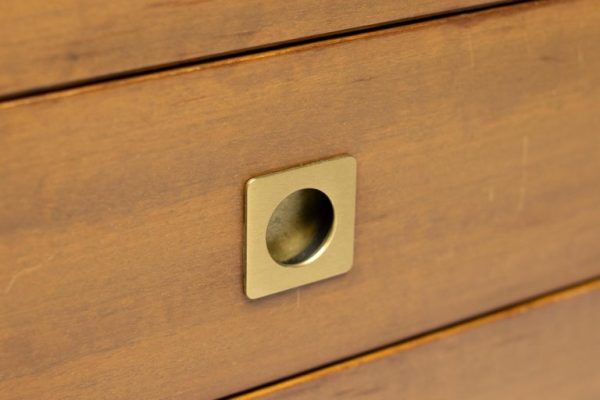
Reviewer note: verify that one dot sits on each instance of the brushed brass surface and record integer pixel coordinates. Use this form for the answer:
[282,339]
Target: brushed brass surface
[299,226]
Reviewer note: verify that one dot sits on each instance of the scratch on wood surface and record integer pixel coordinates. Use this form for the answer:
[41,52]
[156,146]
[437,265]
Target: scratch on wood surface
[471,56]
[491,194]
[22,272]
[580,57]
[522,186]
[526,41]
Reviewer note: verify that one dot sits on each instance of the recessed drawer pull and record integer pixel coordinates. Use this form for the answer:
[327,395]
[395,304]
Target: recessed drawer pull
[299,226]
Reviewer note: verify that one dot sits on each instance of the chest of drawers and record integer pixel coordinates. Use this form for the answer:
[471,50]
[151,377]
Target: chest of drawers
[477,138]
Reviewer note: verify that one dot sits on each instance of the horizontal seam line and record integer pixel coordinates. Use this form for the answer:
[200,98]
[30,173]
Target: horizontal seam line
[516,308]
[287,45]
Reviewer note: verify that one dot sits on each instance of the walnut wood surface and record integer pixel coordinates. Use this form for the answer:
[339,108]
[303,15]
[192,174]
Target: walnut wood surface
[544,350]
[121,205]
[44,43]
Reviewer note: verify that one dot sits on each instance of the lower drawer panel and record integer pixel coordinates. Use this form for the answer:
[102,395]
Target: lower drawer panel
[121,205]
[545,350]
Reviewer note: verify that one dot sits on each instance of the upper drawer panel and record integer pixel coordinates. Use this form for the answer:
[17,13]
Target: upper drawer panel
[45,43]
[121,205]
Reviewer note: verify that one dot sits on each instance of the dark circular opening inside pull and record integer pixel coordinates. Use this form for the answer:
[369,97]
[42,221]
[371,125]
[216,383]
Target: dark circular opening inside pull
[300,227]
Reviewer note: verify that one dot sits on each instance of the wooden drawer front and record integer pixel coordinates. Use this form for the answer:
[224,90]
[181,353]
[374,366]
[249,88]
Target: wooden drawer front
[546,350]
[45,43]
[122,204]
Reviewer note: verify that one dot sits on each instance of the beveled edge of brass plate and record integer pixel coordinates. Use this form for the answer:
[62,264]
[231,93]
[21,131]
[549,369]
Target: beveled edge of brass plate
[336,178]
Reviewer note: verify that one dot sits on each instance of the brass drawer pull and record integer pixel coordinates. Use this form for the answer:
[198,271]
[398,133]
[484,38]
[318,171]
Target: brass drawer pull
[299,226]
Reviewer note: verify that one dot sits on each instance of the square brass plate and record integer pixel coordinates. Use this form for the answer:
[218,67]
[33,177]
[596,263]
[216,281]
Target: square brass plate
[299,225]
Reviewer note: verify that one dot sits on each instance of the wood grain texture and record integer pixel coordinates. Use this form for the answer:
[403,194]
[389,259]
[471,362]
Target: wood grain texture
[547,349]
[45,43]
[121,205]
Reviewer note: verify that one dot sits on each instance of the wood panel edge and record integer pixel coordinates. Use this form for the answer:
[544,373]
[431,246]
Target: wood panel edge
[548,299]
